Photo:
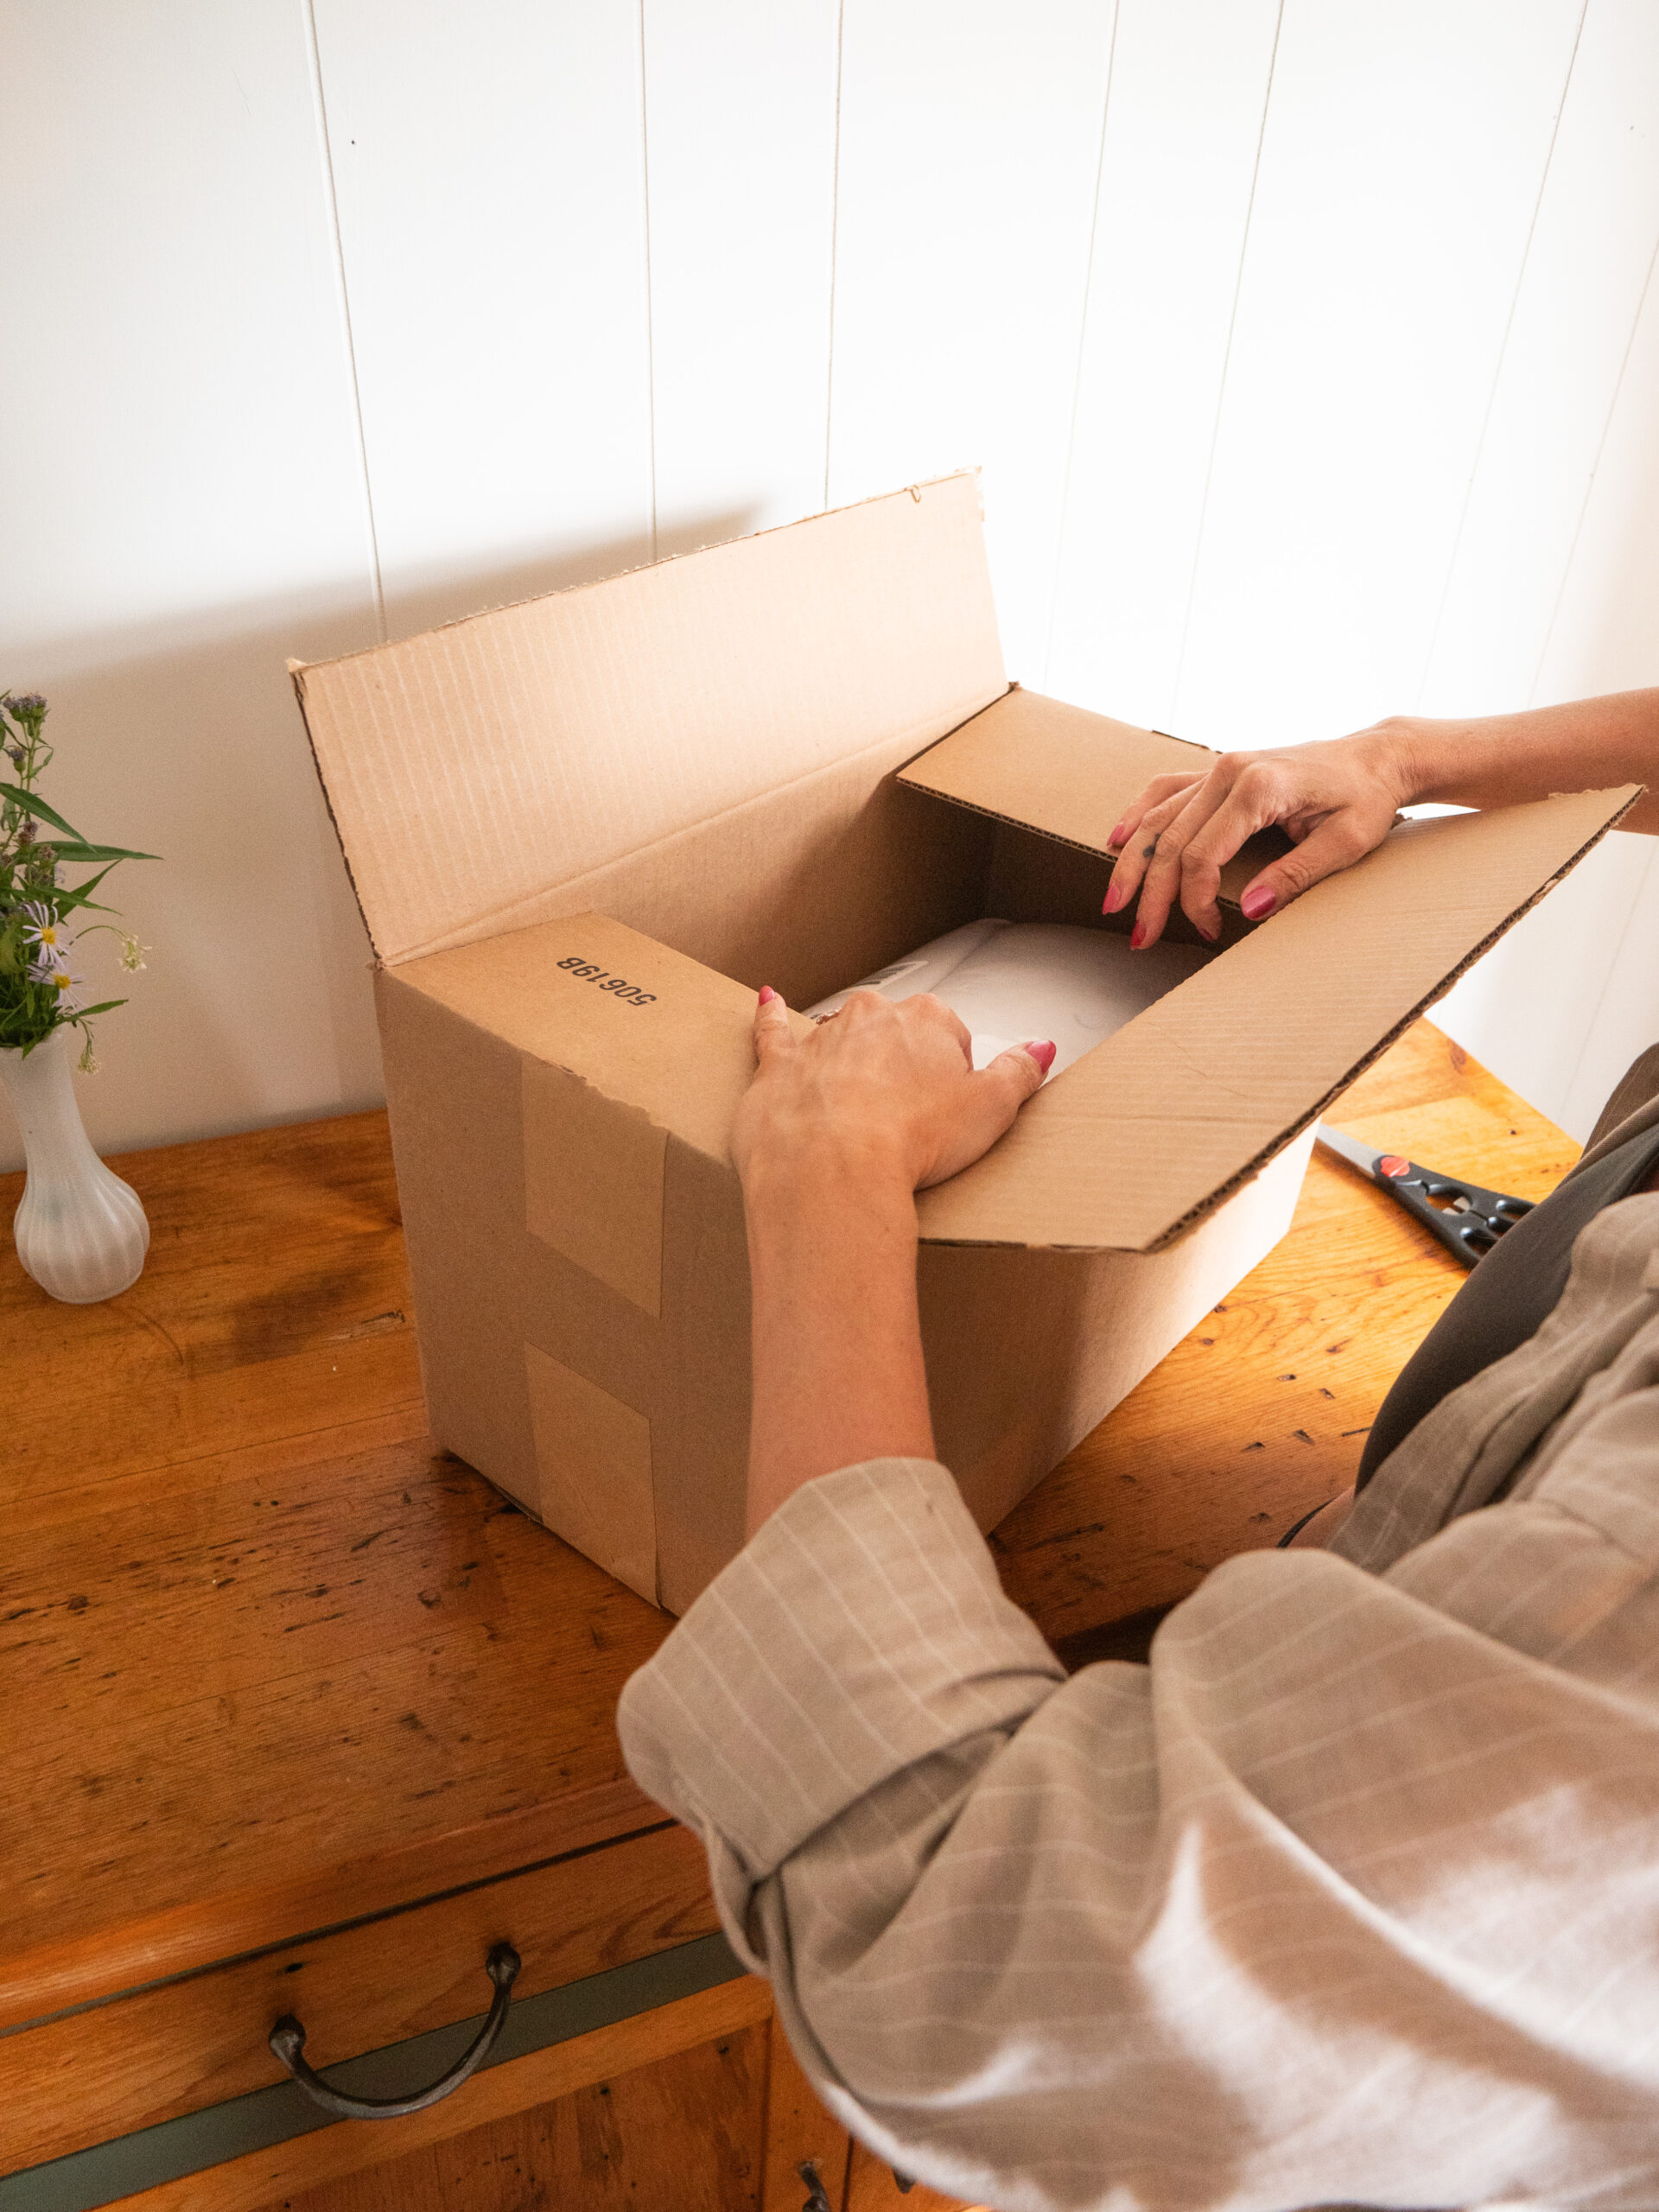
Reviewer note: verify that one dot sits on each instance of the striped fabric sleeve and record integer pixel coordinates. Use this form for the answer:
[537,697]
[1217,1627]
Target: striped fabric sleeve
[860,1631]
[1348,1897]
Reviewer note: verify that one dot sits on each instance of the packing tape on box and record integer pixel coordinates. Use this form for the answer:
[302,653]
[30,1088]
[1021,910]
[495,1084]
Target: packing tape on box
[594,1182]
[593,1454]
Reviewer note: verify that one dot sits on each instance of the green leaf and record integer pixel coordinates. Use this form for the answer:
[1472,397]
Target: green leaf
[31,804]
[82,894]
[80,851]
[107,1006]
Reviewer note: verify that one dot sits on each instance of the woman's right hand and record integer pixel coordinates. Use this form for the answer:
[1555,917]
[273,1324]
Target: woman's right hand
[882,1094]
[1335,800]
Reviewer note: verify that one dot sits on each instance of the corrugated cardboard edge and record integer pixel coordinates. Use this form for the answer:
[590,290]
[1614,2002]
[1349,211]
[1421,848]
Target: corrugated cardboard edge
[1269,1152]
[297,677]
[298,668]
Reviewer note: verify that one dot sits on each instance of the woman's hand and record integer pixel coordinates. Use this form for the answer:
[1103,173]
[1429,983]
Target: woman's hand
[888,1091]
[1336,801]
[833,1139]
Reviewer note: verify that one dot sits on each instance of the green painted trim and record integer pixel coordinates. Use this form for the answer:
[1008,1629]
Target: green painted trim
[86,2179]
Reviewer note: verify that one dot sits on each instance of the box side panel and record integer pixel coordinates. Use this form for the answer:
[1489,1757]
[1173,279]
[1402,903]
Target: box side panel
[701,1465]
[452,1096]
[800,887]
[1042,766]
[540,1372]
[471,770]
[1033,878]
[1027,1352]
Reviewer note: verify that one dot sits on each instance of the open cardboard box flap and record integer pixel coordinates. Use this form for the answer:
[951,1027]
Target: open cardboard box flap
[1161,1122]
[479,775]
[1044,766]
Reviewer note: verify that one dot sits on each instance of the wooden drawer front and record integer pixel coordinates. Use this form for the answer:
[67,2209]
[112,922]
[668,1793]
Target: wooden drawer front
[93,2076]
[663,2112]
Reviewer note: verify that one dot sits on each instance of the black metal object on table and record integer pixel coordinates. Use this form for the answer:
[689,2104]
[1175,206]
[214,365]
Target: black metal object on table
[1467,1218]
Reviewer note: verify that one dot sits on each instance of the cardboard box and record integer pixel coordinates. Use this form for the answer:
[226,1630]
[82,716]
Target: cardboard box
[585,829]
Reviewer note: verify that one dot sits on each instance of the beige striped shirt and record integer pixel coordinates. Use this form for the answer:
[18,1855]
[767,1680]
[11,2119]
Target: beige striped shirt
[1352,1895]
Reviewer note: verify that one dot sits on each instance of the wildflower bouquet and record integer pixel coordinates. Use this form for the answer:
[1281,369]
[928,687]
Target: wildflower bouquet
[38,990]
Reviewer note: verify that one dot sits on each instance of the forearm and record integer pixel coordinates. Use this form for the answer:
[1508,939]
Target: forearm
[1500,760]
[836,1336]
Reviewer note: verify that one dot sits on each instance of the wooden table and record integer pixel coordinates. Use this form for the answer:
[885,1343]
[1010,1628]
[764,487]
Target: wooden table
[300,1715]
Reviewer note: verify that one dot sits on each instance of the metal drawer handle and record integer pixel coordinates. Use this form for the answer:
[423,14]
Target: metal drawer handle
[288,2041]
[816,2200]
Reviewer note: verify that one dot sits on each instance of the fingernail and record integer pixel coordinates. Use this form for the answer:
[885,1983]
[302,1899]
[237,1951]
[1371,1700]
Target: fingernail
[1115,897]
[1137,937]
[1043,1054]
[1258,902]
[1119,834]
[767,994]
[1210,936]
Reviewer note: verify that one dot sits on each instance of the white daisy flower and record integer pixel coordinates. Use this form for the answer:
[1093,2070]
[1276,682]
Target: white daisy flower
[43,928]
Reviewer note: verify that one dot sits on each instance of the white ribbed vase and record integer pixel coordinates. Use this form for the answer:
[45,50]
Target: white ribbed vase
[80,1230]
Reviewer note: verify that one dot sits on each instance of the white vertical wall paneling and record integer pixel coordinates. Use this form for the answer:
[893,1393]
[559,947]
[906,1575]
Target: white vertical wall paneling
[1189,88]
[183,506]
[489,164]
[1404,151]
[740,164]
[969,156]
[1605,637]
[1573,387]
[1627,1017]
[1591,251]
[1566,1002]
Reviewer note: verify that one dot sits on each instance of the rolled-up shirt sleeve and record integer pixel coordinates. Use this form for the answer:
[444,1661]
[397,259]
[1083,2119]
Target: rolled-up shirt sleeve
[1252,1926]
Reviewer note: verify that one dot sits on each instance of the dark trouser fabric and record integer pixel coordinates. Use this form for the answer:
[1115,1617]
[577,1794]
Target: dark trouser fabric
[1515,1288]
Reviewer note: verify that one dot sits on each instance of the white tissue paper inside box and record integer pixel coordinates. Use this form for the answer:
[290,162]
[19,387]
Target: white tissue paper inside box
[1015,982]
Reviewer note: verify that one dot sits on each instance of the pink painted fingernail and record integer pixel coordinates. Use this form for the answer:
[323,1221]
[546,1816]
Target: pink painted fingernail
[767,994]
[1258,902]
[1116,894]
[1043,1054]
[1119,834]
[1137,937]
[1210,936]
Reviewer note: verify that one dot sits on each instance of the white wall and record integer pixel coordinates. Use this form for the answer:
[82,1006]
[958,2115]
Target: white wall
[1312,352]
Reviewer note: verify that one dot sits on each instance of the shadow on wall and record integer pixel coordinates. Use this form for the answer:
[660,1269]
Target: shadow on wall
[183,737]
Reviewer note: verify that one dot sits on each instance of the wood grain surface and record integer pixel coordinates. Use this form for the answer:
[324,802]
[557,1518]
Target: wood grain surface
[799,2130]
[269,1664]
[684,2135]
